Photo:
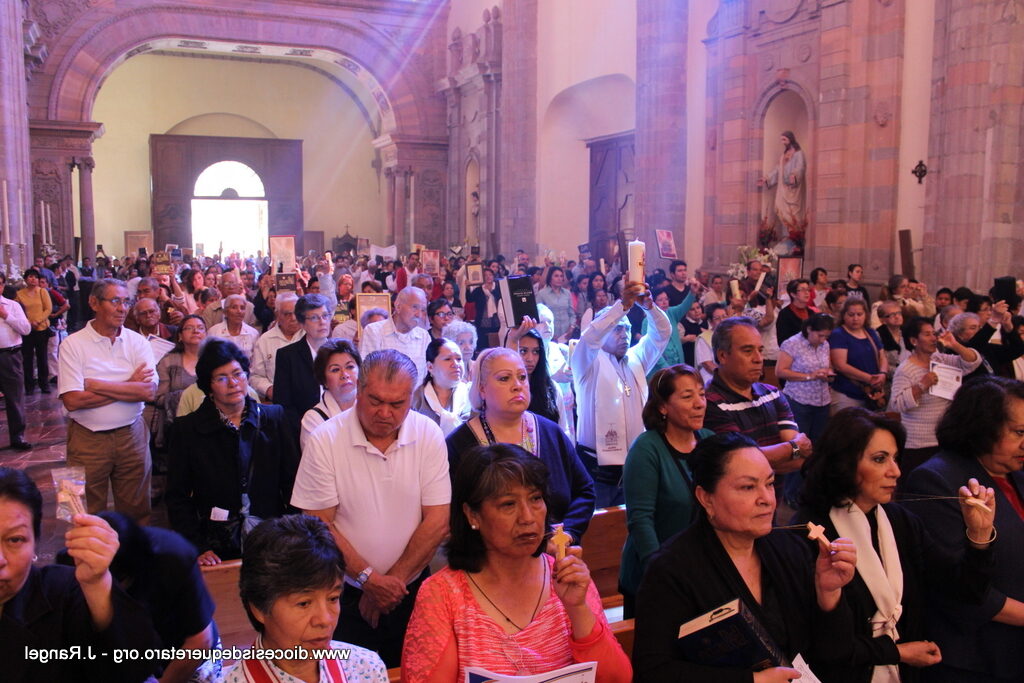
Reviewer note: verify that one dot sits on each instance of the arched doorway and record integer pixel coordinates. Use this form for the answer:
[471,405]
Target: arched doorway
[229,207]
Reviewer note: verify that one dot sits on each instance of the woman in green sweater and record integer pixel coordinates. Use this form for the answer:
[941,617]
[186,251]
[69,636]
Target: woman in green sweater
[673,354]
[657,479]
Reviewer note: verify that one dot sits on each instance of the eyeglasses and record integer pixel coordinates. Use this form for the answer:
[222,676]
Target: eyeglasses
[323,317]
[223,380]
[116,301]
[193,328]
[442,314]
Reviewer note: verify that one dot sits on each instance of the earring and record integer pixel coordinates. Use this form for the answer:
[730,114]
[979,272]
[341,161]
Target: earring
[35,558]
[474,527]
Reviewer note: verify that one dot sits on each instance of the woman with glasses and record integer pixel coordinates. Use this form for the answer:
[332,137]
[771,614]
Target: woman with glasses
[231,463]
[791,317]
[439,313]
[177,370]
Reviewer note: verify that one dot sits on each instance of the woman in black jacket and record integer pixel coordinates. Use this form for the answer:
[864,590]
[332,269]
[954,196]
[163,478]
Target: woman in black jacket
[232,461]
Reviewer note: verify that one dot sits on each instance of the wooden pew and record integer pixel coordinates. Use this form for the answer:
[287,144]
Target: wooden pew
[602,551]
[232,622]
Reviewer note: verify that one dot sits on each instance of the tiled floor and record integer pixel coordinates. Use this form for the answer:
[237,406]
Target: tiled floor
[47,432]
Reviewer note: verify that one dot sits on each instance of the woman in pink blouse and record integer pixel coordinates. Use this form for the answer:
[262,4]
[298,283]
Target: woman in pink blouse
[502,604]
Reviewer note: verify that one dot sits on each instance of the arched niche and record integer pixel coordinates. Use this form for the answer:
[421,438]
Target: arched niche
[472,202]
[784,109]
[597,108]
[221,123]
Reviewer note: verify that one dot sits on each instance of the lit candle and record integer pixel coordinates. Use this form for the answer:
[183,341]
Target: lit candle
[637,252]
[49,224]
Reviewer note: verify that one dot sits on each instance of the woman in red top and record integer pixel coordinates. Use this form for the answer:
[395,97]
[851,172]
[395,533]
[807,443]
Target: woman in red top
[502,604]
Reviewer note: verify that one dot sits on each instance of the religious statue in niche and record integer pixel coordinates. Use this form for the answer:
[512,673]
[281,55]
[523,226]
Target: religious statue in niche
[789,206]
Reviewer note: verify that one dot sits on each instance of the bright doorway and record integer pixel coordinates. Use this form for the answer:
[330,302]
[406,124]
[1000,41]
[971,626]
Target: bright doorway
[228,210]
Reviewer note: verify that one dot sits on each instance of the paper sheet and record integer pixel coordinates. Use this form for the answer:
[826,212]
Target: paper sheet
[806,675]
[950,379]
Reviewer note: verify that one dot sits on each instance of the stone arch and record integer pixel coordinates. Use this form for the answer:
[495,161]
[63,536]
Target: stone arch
[95,45]
[240,126]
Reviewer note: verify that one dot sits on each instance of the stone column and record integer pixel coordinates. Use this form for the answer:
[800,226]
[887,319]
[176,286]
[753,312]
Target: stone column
[14,136]
[399,221]
[660,122]
[85,166]
[389,207]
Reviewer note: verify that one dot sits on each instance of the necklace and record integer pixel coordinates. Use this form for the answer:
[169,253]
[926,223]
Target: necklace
[540,597]
[525,433]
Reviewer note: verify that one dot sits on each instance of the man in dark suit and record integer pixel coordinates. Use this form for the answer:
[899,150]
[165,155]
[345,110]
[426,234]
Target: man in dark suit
[295,386]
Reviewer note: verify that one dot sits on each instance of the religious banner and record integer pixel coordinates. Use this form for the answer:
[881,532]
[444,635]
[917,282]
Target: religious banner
[790,268]
[363,245]
[474,274]
[386,253]
[161,263]
[282,253]
[285,282]
[666,244]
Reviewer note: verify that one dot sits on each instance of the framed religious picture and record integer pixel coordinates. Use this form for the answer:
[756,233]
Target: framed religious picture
[584,250]
[418,248]
[363,245]
[365,302]
[666,244]
[790,268]
[285,282]
[161,263]
[431,261]
[186,253]
[474,274]
[169,247]
[282,253]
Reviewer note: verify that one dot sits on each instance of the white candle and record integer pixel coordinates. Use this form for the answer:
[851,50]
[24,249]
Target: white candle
[42,221]
[637,252]
[49,224]
[6,231]
[21,215]
[760,281]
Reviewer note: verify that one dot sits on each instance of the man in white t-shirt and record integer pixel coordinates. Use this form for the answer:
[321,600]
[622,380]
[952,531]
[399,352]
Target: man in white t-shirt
[106,374]
[377,474]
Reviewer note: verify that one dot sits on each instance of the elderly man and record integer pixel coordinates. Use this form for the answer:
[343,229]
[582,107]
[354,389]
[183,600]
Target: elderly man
[106,374]
[404,331]
[229,284]
[233,327]
[295,385]
[737,402]
[377,474]
[149,288]
[610,379]
[146,314]
[287,330]
[13,326]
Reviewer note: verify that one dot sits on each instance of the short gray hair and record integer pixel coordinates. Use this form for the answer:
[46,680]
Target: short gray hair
[457,327]
[100,287]
[369,313]
[283,298]
[415,279]
[391,363]
[410,292]
[721,340]
[960,320]
[229,297]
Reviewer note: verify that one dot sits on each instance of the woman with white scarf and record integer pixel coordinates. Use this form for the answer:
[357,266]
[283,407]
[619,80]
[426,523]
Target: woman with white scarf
[849,484]
[336,368]
[443,396]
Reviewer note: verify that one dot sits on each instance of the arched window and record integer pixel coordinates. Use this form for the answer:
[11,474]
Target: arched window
[228,212]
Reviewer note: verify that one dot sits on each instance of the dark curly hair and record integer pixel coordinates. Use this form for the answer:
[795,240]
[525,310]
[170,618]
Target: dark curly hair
[974,420]
[215,353]
[484,472]
[830,474]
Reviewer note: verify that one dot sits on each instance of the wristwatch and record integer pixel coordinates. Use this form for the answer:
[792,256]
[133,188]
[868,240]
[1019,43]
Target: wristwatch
[794,456]
[364,576]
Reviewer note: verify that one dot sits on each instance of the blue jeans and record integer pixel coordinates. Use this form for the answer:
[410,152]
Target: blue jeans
[607,479]
[812,421]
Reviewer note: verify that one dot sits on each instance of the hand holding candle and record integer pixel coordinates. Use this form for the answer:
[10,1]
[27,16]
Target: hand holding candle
[637,254]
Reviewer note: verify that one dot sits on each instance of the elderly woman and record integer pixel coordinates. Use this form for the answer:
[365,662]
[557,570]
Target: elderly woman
[55,607]
[500,396]
[233,328]
[290,584]
[443,396]
[858,359]
[850,482]
[981,436]
[465,337]
[919,409]
[336,367]
[501,603]
[232,462]
[657,479]
[975,330]
[731,552]
[177,370]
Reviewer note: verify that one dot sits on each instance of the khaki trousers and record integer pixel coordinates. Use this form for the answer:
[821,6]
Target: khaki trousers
[118,459]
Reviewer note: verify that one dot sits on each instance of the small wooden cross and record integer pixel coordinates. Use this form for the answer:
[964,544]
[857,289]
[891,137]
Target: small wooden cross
[561,540]
[978,502]
[816,532]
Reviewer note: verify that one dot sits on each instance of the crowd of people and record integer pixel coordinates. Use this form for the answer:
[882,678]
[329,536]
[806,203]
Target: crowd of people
[336,450]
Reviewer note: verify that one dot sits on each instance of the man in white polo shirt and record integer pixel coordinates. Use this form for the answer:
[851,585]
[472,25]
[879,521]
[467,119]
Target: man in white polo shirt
[106,374]
[377,474]
[404,331]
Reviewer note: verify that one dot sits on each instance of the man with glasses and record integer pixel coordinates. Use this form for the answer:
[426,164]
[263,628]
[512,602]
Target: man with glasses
[404,331]
[295,385]
[107,373]
[264,355]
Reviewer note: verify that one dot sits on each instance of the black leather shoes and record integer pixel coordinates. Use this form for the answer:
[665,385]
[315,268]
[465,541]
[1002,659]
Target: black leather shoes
[21,445]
